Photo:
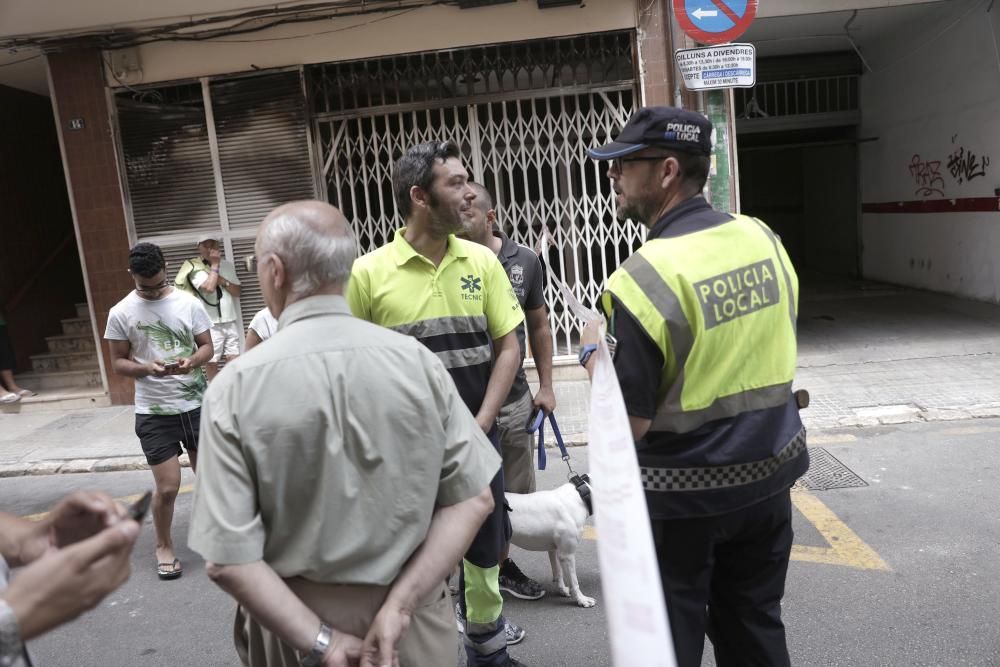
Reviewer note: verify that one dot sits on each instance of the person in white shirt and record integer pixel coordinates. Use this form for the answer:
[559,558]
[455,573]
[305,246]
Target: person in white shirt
[262,326]
[219,288]
[161,336]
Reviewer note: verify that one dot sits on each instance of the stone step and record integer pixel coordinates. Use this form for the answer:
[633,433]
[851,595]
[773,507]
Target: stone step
[59,400]
[83,310]
[76,325]
[60,380]
[71,343]
[64,361]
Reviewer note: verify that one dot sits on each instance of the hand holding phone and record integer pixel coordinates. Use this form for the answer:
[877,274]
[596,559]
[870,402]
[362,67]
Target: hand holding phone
[171,367]
[138,509]
[80,515]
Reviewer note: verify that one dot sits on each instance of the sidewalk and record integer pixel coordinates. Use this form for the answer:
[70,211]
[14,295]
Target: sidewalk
[868,355]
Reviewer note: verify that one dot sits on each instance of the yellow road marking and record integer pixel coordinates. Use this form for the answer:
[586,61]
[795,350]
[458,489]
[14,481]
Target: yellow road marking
[124,500]
[831,438]
[846,548]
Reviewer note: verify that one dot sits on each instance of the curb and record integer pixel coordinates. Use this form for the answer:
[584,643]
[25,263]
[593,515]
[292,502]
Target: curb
[72,466]
[895,415]
[128,463]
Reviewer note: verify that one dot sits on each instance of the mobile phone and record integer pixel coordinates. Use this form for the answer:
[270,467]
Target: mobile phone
[171,366]
[138,509]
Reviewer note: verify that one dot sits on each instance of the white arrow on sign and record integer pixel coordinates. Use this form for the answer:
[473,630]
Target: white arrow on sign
[702,13]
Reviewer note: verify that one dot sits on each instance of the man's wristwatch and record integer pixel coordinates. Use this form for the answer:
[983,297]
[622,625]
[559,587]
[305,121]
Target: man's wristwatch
[315,657]
[585,352]
[11,646]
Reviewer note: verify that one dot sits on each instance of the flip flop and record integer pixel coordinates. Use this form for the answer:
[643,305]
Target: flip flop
[174,573]
[25,393]
[9,398]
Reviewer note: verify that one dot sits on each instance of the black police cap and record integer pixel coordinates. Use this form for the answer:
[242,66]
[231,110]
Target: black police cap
[660,127]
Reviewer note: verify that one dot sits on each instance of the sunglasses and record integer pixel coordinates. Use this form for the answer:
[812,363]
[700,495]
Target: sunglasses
[617,163]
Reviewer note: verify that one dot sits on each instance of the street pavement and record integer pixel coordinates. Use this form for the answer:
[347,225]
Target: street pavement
[876,354]
[868,354]
[900,571]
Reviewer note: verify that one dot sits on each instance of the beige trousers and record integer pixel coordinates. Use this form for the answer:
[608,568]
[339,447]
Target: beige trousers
[431,640]
[516,446]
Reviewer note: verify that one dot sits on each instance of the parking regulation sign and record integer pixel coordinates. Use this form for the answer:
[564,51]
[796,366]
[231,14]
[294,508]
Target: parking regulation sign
[715,21]
[722,66]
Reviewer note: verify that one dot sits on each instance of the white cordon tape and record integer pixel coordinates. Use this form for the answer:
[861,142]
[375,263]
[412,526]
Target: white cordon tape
[630,576]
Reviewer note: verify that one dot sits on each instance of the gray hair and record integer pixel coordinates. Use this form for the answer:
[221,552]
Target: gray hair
[313,257]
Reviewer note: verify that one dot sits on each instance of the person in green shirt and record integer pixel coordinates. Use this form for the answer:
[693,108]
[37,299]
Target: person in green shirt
[454,297]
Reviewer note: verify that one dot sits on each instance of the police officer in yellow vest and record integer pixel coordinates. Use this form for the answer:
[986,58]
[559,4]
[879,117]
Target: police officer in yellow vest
[704,318]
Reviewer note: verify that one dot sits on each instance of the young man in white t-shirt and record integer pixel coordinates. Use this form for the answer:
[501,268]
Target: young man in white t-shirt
[161,336]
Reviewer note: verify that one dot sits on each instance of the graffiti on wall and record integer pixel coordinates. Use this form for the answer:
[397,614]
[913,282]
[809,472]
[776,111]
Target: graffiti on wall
[927,175]
[966,165]
[963,165]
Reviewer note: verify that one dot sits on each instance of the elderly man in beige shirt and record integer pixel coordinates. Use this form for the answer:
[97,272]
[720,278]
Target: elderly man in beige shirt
[341,477]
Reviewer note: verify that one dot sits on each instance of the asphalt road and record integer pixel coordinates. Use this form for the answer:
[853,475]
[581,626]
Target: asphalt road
[904,571]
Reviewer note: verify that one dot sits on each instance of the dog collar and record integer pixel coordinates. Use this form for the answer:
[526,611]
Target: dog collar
[582,484]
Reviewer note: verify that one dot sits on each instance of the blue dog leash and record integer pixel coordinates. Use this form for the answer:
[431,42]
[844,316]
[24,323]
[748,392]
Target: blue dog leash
[538,425]
[581,482]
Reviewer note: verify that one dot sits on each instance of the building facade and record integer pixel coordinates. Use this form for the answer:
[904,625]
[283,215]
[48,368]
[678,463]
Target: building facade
[170,127]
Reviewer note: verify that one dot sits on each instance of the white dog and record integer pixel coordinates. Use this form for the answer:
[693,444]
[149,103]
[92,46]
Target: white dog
[553,521]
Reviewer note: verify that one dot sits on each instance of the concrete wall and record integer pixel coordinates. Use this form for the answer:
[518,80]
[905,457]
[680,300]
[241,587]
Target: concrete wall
[425,29]
[33,17]
[933,101]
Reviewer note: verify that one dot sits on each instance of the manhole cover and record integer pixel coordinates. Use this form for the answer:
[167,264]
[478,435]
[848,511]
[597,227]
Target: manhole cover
[68,422]
[826,472]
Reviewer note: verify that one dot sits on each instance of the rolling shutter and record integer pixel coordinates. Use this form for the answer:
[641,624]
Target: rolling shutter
[263,159]
[168,166]
[263,148]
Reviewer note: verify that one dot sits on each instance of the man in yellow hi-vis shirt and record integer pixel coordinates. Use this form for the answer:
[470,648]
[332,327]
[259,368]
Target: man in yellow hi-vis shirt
[454,297]
[703,315]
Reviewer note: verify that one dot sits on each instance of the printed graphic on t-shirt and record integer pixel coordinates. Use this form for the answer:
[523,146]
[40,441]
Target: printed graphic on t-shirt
[177,343]
[516,275]
[161,331]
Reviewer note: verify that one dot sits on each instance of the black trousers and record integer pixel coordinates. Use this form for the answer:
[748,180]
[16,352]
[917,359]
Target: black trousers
[725,576]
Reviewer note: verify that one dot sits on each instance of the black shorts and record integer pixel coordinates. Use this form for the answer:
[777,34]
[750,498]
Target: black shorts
[161,436]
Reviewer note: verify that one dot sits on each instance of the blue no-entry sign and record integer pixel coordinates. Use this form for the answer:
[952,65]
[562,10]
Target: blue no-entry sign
[715,21]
